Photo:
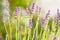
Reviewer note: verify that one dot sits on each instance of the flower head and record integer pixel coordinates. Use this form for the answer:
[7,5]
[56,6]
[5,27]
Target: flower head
[58,13]
[33,7]
[43,21]
[38,9]
[47,15]
[30,23]
[17,11]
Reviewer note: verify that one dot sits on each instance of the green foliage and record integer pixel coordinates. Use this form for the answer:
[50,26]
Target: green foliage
[50,24]
[21,3]
[2,28]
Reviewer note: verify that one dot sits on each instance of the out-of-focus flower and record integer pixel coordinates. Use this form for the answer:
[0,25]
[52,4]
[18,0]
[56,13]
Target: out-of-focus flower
[38,9]
[43,21]
[33,8]
[58,17]
[47,14]
[5,4]
[30,23]
[58,13]
[27,11]
[16,12]
[5,11]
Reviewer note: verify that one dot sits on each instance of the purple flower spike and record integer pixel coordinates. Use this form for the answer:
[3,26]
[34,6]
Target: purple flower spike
[30,23]
[39,9]
[58,13]
[43,21]
[33,6]
[55,38]
[47,15]
[17,10]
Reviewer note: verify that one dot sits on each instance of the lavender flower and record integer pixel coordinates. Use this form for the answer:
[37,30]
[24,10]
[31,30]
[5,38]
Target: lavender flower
[38,9]
[42,22]
[17,11]
[47,15]
[33,7]
[30,23]
[58,13]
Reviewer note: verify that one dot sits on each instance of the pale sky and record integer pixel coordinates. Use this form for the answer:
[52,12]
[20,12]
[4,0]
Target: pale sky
[53,5]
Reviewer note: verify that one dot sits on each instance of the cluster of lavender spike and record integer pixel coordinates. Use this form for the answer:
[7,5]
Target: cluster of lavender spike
[17,10]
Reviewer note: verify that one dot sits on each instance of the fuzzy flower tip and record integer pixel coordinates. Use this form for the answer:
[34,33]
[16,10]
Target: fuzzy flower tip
[58,13]
[47,15]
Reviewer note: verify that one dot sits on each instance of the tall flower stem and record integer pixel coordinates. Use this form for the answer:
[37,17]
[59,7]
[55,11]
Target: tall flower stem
[10,28]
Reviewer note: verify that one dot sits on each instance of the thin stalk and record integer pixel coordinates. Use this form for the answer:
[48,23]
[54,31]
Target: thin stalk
[45,29]
[10,30]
